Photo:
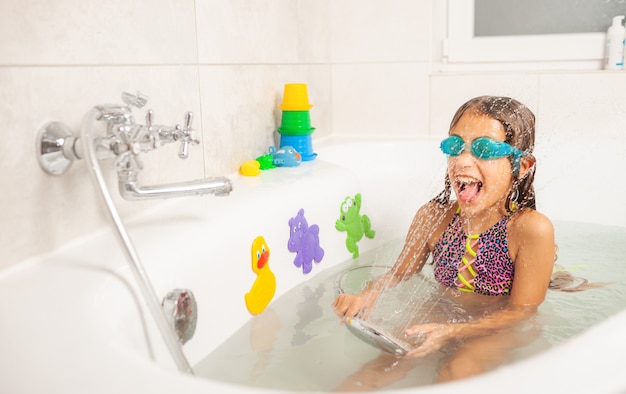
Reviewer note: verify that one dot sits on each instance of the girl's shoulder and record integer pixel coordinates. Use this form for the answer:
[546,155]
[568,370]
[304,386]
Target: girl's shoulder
[532,248]
[530,223]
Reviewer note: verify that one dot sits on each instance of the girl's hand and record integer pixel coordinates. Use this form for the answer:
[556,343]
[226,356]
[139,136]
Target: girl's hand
[436,335]
[348,305]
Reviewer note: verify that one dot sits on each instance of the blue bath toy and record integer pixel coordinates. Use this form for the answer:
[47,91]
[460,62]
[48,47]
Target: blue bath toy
[302,143]
[353,223]
[305,242]
[286,156]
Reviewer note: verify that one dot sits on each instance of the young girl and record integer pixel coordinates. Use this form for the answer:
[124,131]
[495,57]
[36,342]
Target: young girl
[489,245]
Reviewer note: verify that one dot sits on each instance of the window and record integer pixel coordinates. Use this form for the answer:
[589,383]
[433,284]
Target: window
[545,31]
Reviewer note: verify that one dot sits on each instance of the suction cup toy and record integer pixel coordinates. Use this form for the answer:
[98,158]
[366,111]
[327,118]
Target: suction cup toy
[354,224]
[264,287]
[304,240]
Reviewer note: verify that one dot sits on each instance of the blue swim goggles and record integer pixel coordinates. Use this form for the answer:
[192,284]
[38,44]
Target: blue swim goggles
[483,148]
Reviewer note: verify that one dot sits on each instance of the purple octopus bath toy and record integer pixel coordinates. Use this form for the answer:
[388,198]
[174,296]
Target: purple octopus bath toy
[305,242]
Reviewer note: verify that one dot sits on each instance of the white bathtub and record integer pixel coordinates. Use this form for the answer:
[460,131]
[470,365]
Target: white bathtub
[73,322]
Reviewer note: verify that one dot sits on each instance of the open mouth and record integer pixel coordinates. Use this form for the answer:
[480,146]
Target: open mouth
[468,188]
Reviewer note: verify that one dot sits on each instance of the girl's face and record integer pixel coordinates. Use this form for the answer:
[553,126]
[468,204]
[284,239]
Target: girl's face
[480,185]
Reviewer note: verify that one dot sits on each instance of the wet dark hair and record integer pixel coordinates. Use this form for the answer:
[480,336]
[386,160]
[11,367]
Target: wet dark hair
[563,280]
[519,128]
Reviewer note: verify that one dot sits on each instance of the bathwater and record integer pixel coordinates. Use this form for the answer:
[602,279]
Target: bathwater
[299,344]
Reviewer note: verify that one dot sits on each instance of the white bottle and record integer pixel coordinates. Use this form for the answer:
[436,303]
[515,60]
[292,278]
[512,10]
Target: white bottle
[614,57]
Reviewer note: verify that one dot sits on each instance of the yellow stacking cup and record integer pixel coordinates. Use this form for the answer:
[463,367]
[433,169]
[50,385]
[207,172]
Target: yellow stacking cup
[295,97]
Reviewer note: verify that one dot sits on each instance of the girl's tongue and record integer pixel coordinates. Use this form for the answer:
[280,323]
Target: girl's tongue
[469,191]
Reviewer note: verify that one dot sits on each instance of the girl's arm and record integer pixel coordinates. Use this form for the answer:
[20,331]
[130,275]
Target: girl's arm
[531,238]
[410,261]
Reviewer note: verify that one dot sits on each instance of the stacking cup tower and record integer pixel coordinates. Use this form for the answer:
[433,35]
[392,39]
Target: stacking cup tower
[295,128]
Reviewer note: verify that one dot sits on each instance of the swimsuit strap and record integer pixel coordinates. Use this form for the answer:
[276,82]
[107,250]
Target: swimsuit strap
[467,261]
[466,264]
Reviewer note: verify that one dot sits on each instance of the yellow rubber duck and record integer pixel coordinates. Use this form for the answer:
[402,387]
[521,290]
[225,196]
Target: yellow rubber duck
[264,286]
[250,168]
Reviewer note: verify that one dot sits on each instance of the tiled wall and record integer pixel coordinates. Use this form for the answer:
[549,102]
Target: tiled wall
[370,66]
[227,61]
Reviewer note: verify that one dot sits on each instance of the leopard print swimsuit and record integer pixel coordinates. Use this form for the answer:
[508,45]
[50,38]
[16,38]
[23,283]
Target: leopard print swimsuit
[485,256]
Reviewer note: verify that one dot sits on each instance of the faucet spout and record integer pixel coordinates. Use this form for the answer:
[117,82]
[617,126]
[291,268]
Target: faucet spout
[130,188]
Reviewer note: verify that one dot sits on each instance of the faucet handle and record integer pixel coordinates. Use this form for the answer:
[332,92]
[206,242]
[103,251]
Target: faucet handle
[188,120]
[149,118]
[138,100]
[186,135]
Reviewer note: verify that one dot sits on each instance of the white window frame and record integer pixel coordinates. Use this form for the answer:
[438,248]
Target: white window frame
[461,46]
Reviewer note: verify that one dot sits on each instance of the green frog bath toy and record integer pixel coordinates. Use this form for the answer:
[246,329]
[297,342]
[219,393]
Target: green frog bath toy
[353,223]
[266,161]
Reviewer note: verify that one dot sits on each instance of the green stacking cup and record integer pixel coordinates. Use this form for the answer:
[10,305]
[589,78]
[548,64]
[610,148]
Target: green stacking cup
[296,123]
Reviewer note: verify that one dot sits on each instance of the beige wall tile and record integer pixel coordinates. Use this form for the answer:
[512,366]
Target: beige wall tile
[380,31]
[387,98]
[80,32]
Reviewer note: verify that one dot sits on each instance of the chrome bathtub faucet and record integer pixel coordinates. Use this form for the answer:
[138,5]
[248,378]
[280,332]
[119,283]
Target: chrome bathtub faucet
[125,140]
